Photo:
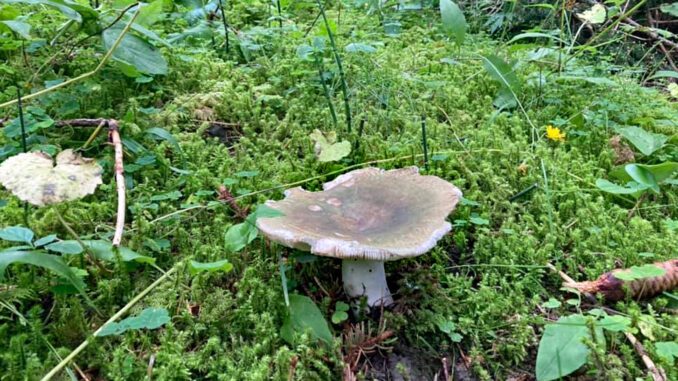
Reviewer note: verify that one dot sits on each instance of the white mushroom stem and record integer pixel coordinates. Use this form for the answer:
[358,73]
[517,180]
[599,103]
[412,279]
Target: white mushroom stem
[366,278]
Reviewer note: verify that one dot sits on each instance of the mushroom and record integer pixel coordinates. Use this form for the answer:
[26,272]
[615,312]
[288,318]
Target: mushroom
[365,217]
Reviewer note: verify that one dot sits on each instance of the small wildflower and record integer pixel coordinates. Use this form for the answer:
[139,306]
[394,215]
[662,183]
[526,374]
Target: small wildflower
[553,133]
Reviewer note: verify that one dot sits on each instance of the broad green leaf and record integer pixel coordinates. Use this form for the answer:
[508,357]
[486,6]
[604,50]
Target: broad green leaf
[135,51]
[198,267]
[561,348]
[45,240]
[150,318]
[616,323]
[551,303]
[454,22]
[661,172]
[339,316]
[47,261]
[646,142]
[17,234]
[304,316]
[669,8]
[162,134]
[639,272]
[642,176]
[19,27]
[70,9]
[673,89]
[65,247]
[305,52]
[609,187]
[667,350]
[264,211]
[503,73]
[150,13]
[357,47]
[240,235]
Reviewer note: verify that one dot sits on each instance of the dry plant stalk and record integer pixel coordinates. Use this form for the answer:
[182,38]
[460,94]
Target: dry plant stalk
[613,288]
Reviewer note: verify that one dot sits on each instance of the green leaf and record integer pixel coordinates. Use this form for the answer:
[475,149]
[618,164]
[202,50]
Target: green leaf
[163,134]
[454,22]
[70,9]
[105,251]
[665,73]
[609,187]
[670,8]
[19,27]
[339,316]
[646,142]
[45,240]
[615,323]
[239,235]
[47,261]
[551,303]
[326,147]
[522,36]
[667,350]
[150,318]
[642,176]
[304,316]
[135,51]
[198,267]
[358,47]
[595,15]
[561,348]
[503,73]
[150,13]
[65,247]
[639,272]
[17,234]
[661,172]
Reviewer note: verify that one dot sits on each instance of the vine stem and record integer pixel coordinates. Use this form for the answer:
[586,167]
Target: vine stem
[82,76]
[113,318]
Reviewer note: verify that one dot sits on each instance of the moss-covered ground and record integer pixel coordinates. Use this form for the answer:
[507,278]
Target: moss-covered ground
[488,276]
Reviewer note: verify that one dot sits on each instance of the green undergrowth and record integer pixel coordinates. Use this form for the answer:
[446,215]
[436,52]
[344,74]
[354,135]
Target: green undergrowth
[488,277]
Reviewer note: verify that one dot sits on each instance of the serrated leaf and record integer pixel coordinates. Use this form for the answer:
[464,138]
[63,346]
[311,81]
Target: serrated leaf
[198,267]
[454,22]
[17,234]
[646,142]
[304,316]
[150,318]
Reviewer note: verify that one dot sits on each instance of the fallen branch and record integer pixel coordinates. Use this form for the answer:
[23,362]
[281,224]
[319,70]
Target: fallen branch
[656,372]
[114,137]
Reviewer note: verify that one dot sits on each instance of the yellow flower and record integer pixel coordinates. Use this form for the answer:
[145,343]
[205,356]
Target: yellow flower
[553,133]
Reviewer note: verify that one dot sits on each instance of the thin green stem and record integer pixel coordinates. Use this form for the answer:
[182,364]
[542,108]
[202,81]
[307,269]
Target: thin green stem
[82,76]
[326,90]
[113,318]
[337,59]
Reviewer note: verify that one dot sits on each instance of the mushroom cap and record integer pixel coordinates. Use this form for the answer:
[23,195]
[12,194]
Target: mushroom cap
[365,214]
[32,177]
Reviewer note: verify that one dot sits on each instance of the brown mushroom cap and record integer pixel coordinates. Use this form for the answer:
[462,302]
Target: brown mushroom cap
[365,214]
